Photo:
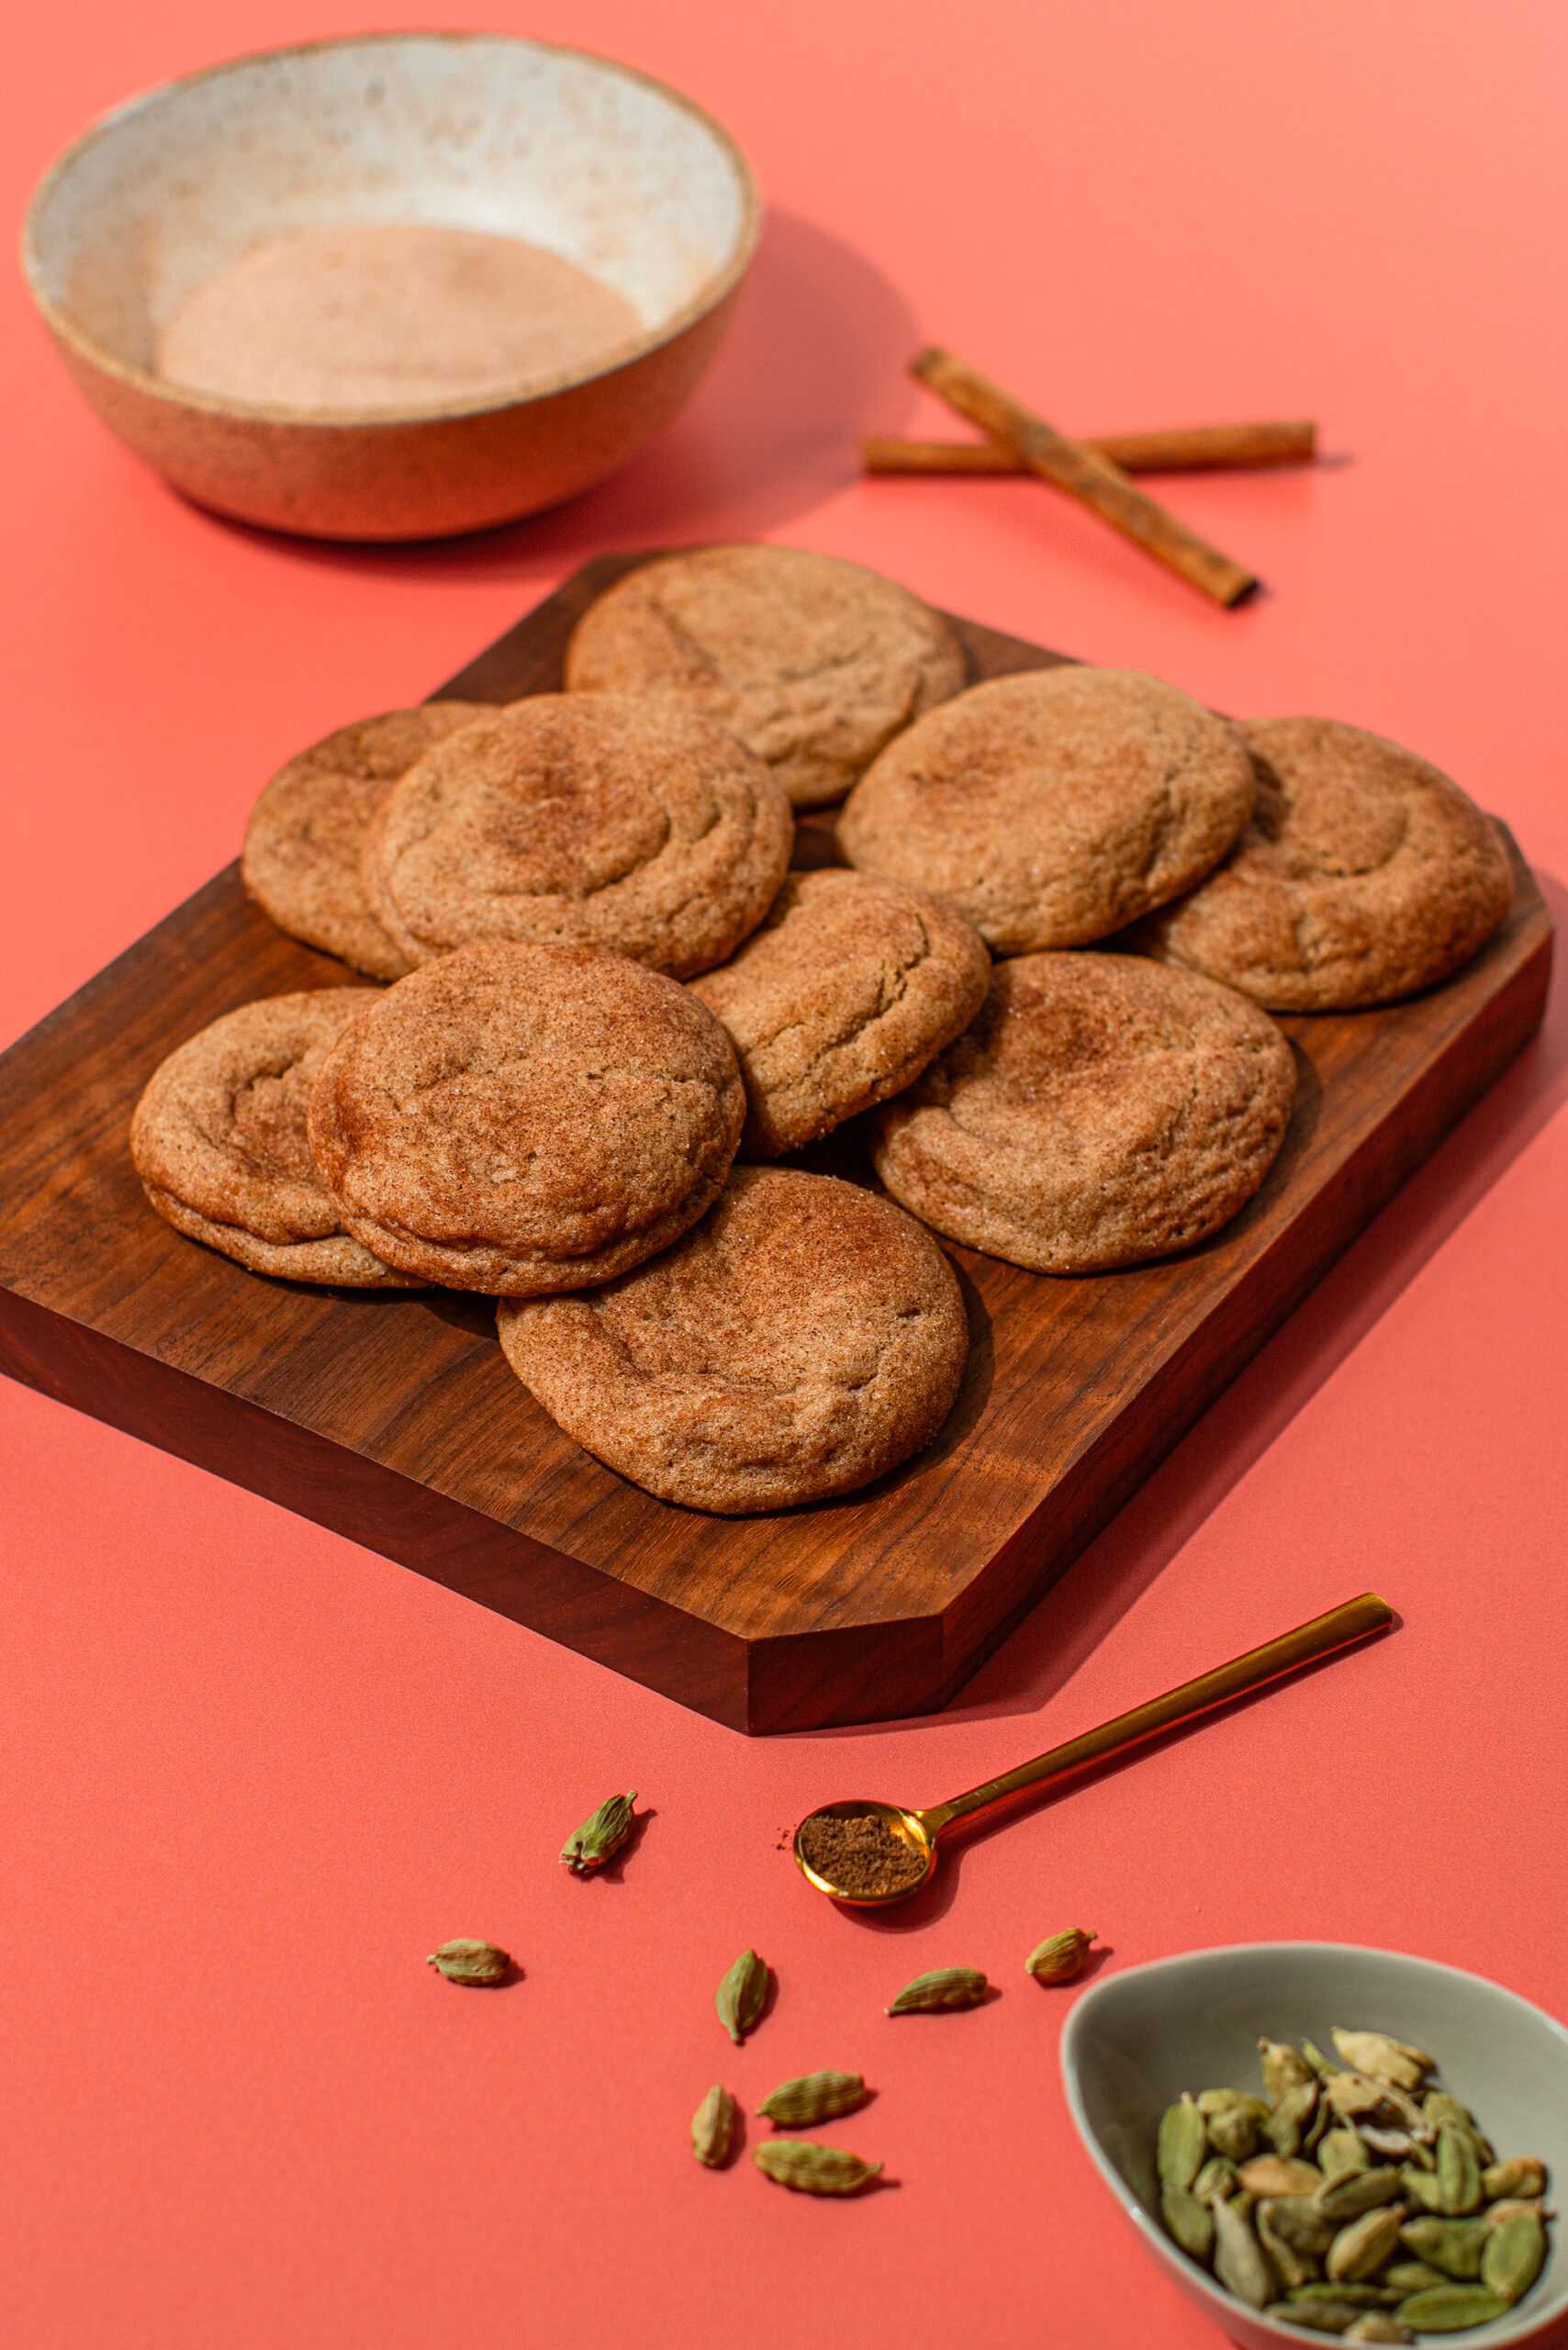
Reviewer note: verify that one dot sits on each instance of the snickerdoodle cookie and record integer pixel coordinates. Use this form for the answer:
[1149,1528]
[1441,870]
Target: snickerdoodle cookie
[590,821]
[1102,1109]
[842,997]
[218,1140]
[522,1118]
[1053,807]
[303,842]
[1364,875]
[802,1340]
[814,663]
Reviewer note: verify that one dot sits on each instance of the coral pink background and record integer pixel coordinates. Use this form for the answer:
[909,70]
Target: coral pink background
[254,1772]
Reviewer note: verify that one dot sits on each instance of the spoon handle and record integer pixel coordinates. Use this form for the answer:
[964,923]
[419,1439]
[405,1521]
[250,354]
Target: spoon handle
[1355,1620]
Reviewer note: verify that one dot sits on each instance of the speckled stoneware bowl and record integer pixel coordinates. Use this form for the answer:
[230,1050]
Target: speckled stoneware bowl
[596,162]
[1136,2040]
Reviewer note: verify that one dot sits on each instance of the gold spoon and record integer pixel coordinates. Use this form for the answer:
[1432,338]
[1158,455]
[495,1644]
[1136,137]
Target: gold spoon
[1355,1620]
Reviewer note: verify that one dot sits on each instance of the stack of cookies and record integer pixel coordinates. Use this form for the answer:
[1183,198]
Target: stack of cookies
[607,986]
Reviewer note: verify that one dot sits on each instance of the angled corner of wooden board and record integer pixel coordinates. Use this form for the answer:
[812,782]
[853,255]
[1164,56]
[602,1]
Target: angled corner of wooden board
[393,1420]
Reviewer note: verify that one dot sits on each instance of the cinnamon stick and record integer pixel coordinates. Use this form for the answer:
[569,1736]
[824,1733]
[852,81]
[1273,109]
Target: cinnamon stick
[1085,475]
[1173,449]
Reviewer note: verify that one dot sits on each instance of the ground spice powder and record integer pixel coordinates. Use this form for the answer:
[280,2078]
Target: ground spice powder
[861,1853]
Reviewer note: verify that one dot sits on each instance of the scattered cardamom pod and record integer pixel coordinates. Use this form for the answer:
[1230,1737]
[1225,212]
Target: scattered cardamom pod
[1411,2276]
[1383,2059]
[1459,2169]
[814,2097]
[1181,2144]
[1233,2133]
[1377,2325]
[1277,2174]
[1217,2178]
[714,2127]
[1190,2220]
[466,1960]
[1355,2192]
[1319,2317]
[811,2170]
[1361,2249]
[946,1987]
[600,1835]
[740,1994]
[1522,2176]
[1240,2262]
[1286,2126]
[1453,2246]
[1343,2150]
[1514,2256]
[1284,2068]
[1060,1958]
[1450,2308]
[1293,2267]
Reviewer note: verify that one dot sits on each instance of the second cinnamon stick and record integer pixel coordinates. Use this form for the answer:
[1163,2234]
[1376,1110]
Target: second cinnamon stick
[1173,449]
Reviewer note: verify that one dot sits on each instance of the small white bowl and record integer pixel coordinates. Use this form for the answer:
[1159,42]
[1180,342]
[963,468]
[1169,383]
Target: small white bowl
[1136,2040]
[587,158]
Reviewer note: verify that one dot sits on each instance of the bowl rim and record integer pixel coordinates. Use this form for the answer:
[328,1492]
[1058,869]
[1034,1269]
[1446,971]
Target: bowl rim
[1499,2333]
[721,282]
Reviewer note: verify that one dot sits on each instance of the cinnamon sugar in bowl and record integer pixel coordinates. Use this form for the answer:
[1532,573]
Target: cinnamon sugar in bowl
[188,254]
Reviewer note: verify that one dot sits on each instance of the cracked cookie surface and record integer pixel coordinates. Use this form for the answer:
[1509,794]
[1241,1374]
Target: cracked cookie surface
[611,822]
[1363,876]
[1102,1109]
[1054,807]
[518,1119]
[218,1139]
[814,663]
[306,835]
[851,986]
[802,1340]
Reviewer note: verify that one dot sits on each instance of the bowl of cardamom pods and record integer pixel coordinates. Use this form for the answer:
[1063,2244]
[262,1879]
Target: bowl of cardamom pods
[1316,2139]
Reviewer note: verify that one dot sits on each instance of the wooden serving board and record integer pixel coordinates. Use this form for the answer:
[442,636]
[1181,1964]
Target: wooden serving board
[395,1420]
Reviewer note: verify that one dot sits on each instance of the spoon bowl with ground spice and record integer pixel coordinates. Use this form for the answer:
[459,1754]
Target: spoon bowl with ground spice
[867,1853]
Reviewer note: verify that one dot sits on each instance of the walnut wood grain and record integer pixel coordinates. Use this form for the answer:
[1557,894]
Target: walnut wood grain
[393,1418]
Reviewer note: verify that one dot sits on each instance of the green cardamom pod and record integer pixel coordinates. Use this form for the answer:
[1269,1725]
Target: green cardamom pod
[466,1960]
[1322,2065]
[740,1997]
[1233,2133]
[1181,2144]
[1189,2221]
[1279,2176]
[1453,2246]
[1060,1958]
[1295,2267]
[1459,2169]
[600,1835]
[1299,2221]
[1355,2192]
[1398,2145]
[811,2170]
[1510,2208]
[1513,2255]
[1377,2325]
[1286,2126]
[1521,2176]
[1450,2308]
[1215,2101]
[814,2097]
[1240,2262]
[1354,2294]
[1411,2276]
[1424,2188]
[1217,2178]
[946,1987]
[1319,2317]
[1284,2068]
[714,2127]
[1343,2150]
[1361,2248]
[1437,2106]
[1382,2059]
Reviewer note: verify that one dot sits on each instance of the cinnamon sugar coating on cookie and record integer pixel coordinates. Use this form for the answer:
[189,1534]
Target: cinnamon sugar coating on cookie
[1053,807]
[1363,876]
[518,1119]
[631,825]
[815,664]
[1100,1111]
[851,986]
[306,831]
[218,1139]
[804,1338]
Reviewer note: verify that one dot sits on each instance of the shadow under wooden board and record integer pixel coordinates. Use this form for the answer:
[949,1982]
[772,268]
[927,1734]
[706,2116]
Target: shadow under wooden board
[393,1419]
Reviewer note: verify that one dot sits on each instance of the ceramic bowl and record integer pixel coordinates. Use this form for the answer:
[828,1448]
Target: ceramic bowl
[1137,2039]
[596,162]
